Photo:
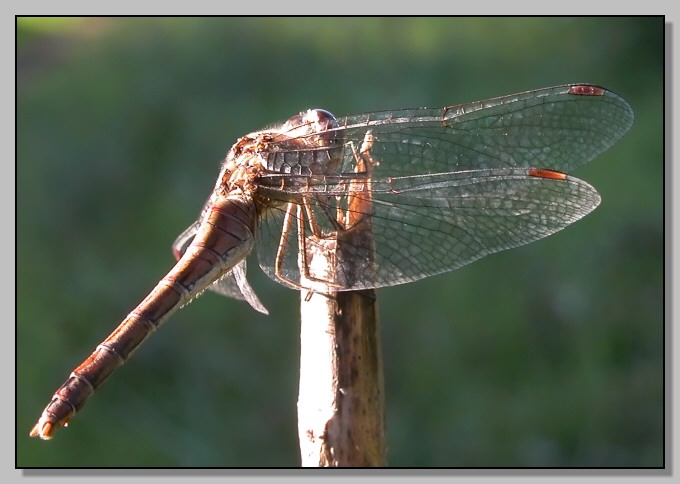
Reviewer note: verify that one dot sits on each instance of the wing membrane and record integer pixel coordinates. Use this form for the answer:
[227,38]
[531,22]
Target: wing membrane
[550,128]
[426,225]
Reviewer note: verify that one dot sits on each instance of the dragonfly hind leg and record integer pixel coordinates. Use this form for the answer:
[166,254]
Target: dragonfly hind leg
[303,217]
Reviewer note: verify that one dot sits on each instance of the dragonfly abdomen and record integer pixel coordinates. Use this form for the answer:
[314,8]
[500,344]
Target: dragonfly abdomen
[223,239]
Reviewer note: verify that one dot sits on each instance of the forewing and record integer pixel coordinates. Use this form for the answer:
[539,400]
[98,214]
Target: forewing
[558,128]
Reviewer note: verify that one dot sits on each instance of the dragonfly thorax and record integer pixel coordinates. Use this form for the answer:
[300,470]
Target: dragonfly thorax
[242,165]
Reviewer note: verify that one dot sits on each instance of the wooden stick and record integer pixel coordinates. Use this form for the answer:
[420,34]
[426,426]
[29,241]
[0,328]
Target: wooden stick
[341,398]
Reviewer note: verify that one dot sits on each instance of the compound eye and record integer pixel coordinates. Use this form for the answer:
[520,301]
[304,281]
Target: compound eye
[323,119]
[313,128]
[310,122]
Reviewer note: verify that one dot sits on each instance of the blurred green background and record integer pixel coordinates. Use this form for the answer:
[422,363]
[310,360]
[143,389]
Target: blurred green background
[547,355]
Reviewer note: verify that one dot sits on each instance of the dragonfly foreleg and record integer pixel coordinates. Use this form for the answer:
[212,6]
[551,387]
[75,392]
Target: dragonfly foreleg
[360,190]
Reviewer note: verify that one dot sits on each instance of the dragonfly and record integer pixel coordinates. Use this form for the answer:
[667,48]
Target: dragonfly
[444,186]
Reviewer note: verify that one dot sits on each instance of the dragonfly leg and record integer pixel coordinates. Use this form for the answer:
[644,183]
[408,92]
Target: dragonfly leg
[283,242]
[303,215]
[360,191]
[339,212]
[302,243]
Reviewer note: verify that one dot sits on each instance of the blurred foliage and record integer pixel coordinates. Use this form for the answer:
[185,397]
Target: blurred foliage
[547,355]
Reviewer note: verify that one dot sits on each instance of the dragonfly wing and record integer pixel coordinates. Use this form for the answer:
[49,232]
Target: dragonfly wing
[426,225]
[558,128]
[235,285]
[433,224]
